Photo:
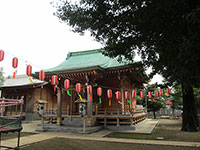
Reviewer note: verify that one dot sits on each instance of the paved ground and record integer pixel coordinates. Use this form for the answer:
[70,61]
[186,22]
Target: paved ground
[145,127]
[98,136]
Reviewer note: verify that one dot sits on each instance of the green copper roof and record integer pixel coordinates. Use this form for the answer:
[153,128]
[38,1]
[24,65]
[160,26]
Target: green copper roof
[86,60]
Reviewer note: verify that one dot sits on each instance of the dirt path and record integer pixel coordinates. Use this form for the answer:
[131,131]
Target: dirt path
[171,130]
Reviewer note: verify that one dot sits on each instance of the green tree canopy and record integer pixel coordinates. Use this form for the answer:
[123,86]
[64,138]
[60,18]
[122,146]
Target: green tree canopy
[165,34]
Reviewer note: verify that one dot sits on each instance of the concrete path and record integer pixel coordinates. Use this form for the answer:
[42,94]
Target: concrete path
[98,136]
[145,127]
[45,136]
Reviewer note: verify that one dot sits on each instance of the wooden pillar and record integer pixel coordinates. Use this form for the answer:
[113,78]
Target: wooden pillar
[89,104]
[105,116]
[71,109]
[118,123]
[59,107]
[122,93]
[96,110]
[89,110]
[122,77]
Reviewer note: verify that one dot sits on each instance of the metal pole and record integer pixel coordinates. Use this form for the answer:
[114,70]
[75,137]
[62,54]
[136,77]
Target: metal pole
[18,141]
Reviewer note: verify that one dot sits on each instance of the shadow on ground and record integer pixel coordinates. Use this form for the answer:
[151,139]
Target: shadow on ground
[166,130]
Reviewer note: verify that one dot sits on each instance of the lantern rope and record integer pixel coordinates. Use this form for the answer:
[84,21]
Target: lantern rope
[24,60]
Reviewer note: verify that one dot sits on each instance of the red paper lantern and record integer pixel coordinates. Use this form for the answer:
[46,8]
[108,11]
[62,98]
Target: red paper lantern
[42,75]
[156,93]
[149,94]
[134,94]
[89,89]
[1,55]
[78,87]
[169,103]
[15,62]
[54,80]
[168,91]
[126,95]
[67,84]
[118,95]
[161,92]
[29,70]
[99,91]
[142,94]
[109,93]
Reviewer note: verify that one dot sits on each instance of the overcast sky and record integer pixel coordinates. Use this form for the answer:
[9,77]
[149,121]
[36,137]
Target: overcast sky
[30,32]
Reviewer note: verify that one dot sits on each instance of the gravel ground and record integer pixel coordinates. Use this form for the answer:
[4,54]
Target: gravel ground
[69,144]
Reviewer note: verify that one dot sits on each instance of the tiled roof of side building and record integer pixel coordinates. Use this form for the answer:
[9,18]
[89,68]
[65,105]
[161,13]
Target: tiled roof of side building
[21,80]
[87,60]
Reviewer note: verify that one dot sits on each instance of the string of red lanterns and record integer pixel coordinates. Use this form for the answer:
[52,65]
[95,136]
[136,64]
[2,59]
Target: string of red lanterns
[134,94]
[1,55]
[67,84]
[78,87]
[109,94]
[118,96]
[54,81]
[156,93]
[14,65]
[149,95]
[168,91]
[42,75]
[99,93]
[89,91]
[126,94]
[29,70]
[99,90]
[15,61]
[142,94]
[161,92]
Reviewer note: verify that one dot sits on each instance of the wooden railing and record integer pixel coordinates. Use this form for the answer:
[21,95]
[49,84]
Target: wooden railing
[117,111]
[108,116]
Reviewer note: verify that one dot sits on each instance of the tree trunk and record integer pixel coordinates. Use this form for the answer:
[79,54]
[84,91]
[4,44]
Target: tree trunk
[154,114]
[190,121]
